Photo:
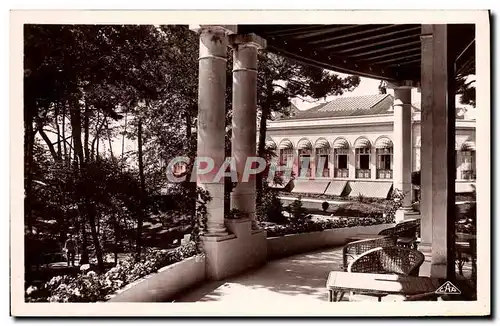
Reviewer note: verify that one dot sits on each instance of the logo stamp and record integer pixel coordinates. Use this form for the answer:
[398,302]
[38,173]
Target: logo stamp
[448,288]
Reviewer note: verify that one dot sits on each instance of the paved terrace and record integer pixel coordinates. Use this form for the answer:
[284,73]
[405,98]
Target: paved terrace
[295,279]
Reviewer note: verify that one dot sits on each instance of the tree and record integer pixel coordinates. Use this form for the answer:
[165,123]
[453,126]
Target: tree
[280,80]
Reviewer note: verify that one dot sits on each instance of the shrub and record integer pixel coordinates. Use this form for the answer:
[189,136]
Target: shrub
[298,214]
[324,206]
[271,208]
[361,198]
[88,286]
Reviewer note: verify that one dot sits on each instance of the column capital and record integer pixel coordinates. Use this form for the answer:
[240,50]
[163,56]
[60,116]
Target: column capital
[226,29]
[247,40]
[403,84]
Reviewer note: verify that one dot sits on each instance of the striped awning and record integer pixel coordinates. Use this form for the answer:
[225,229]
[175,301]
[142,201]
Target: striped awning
[362,143]
[322,143]
[468,145]
[340,143]
[286,144]
[304,144]
[270,144]
[383,142]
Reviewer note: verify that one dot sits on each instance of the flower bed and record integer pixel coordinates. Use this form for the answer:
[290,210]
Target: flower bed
[276,230]
[330,197]
[88,286]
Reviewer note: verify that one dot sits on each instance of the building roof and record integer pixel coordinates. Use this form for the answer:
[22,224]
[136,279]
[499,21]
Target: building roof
[353,106]
[348,106]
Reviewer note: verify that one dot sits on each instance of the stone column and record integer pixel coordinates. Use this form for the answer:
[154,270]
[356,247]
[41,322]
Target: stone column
[442,200]
[312,163]
[351,155]
[373,162]
[426,147]
[244,126]
[402,147]
[211,117]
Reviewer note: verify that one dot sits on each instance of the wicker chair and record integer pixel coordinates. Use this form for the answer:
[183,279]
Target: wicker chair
[356,248]
[406,233]
[388,260]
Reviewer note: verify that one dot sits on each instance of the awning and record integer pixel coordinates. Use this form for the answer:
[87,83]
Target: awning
[362,143]
[304,144]
[340,143]
[310,186]
[464,187]
[469,145]
[371,189]
[286,144]
[322,143]
[336,188]
[383,142]
[270,144]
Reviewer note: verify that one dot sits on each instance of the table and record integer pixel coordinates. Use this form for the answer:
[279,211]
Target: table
[378,284]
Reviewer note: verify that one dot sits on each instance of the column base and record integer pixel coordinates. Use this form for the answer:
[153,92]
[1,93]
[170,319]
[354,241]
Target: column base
[406,213]
[233,255]
[426,249]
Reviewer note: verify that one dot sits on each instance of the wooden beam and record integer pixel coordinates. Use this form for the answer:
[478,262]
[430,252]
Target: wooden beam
[291,31]
[405,63]
[376,44]
[371,38]
[365,31]
[396,59]
[383,49]
[325,31]
[390,54]
[304,53]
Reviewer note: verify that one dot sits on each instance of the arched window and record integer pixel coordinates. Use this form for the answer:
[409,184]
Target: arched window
[341,158]
[305,151]
[384,149]
[363,154]
[322,158]
[285,153]
[468,160]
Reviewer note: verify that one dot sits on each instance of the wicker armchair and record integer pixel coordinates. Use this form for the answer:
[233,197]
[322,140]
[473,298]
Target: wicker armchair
[388,260]
[356,248]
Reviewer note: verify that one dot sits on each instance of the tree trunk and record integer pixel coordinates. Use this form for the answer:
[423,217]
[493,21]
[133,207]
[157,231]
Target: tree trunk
[123,140]
[142,207]
[76,131]
[117,237]
[192,154]
[86,122]
[66,158]
[109,141]
[59,148]
[95,235]
[52,150]
[261,150]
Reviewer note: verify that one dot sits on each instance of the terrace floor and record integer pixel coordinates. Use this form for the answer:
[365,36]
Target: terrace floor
[296,279]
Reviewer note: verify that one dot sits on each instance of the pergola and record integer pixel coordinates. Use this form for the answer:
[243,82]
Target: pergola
[426,56]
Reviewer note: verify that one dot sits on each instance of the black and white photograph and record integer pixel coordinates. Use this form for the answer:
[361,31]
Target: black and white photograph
[263,167]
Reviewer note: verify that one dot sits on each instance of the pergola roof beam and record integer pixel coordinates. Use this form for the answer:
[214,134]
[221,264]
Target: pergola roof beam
[377,44]
[371,38]
[398,58]
[326,31]
[383,49]
[346,35]
[390,54]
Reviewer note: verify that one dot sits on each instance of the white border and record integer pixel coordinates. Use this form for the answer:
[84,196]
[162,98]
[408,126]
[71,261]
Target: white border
[263,308]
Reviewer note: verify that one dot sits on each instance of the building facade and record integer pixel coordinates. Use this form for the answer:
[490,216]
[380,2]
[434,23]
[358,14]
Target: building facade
[346,146]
